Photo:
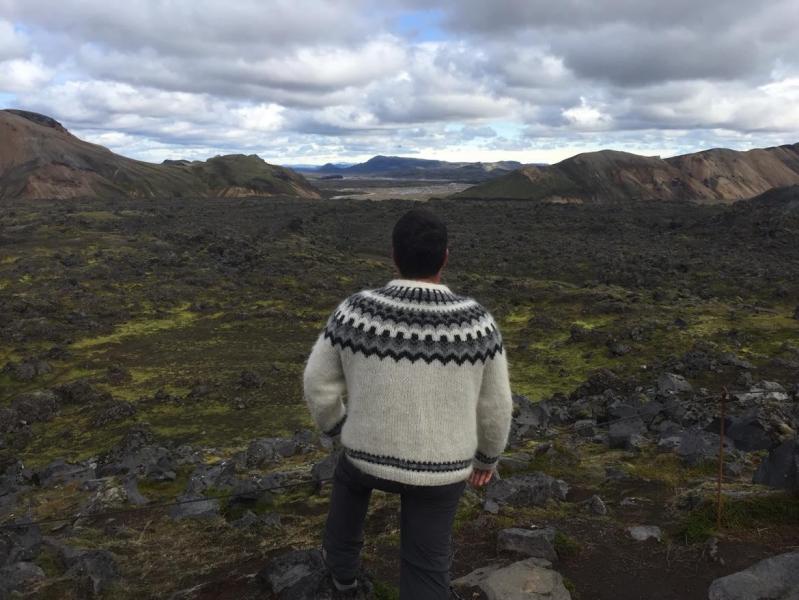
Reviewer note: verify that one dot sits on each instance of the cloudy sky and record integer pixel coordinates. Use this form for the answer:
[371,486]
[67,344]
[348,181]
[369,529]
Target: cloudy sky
[311,81]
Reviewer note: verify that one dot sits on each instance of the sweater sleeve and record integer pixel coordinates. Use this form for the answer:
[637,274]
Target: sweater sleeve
[494,412]
[324,386]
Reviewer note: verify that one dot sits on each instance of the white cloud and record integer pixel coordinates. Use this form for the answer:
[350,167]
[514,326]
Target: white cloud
[335,80]
[587,117]
[12,44]
[21,75]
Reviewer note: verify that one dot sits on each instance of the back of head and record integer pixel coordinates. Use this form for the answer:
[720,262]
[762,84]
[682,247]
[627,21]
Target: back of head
[420,243]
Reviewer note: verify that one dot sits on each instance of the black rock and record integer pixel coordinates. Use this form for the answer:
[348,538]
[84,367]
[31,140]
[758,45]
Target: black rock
[781,468]
[131,487]
[17,577]
[94,570]
[117,411]
[263,451]
[194,507]
[302,575]
[693,447]
[137,454]
[671,384]
[20,543]
[528,417]
[220,476]
[323,470]
[749,433]
[36,407]
[60,472]
[537,543]
[627,435]
[533,489]
[81,392]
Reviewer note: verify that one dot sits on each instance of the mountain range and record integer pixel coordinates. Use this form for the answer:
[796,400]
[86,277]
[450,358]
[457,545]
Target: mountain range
[40,159]
[397,167]
[711,176]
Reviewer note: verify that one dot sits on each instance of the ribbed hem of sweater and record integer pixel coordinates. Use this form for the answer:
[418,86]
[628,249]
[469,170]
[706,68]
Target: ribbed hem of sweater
[411,477]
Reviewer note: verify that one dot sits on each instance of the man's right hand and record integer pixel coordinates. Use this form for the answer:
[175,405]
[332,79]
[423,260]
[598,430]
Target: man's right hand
[479,477]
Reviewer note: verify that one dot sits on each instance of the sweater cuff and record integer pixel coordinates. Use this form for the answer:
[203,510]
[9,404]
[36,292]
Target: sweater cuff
[483,462]
[336,429]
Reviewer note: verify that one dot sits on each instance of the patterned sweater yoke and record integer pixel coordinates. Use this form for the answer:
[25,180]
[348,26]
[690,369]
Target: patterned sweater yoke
[415,379]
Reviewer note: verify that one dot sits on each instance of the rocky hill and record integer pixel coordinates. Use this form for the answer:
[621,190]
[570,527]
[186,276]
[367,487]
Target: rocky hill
[711,176]
[40,159]
[398,167]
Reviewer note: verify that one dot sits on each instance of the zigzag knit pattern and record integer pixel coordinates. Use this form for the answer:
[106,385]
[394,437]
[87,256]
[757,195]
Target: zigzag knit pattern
[418,324]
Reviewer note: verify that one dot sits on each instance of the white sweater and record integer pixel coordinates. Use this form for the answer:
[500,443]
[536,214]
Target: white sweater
[415,379]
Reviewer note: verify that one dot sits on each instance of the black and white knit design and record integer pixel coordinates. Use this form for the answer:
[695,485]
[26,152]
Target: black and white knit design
[416,379]
[415,323]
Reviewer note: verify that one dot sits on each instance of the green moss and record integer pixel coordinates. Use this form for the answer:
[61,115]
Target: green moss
[571,588]
[160,491]
[667,469]
[739,514]
[566,546]
[386,591]
[179,318]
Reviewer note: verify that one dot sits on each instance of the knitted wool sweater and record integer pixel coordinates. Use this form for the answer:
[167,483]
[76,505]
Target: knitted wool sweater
[415,379]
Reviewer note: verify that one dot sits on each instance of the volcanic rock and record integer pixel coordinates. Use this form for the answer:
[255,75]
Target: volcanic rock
[775,578]
[302,575]
[537,543]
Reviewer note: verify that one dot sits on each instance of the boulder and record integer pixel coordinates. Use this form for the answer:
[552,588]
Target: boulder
[27,370]
[264,451]
[596,505]
[194,507]
[528,417]
[10,421]
[118,411]
[693,447]
[60,472]
[136,453]
[781,468]
[627,435]
[21,543]
[529,579]
[323,470]
[302,575]
[585,428]
[219,476]
[94,570]
[249,520]
[749,434]
[532,489]
[131,487]
[81,392]
[537,543]
[670,384]
[641,533]
[17,577]
[36,407]
[775,578]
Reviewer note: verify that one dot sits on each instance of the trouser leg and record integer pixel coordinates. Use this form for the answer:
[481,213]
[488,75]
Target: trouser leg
[426,518]
[343,537]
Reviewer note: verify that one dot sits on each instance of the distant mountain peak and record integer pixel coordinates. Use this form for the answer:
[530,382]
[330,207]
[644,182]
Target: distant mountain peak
[716,175]
[37,118]
[41,159]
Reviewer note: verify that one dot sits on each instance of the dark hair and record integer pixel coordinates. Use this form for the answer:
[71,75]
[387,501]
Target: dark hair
[420,243]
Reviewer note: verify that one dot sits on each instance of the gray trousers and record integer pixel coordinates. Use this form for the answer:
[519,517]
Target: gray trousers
[426,517]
